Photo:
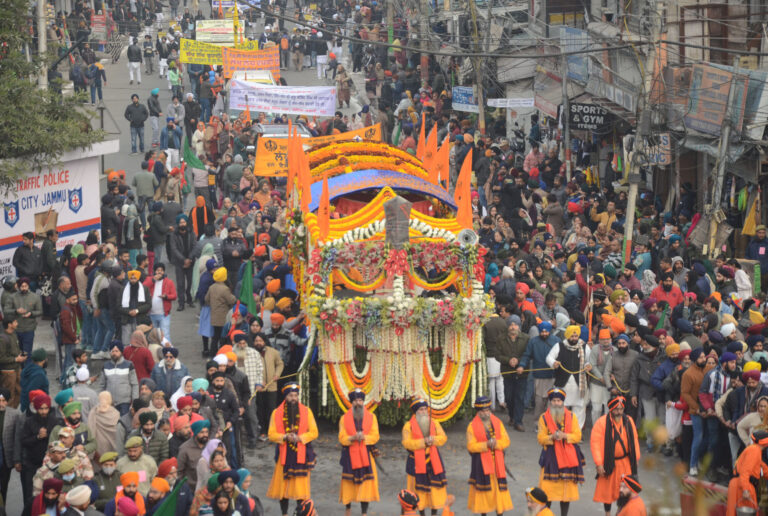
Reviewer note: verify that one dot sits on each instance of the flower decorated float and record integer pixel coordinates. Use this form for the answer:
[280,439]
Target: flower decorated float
[390,276]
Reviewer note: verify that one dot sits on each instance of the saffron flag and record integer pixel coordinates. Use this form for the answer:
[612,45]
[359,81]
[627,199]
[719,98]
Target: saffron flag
[324,210]
[421,145]
[442,163]
[430,156]
[235,23]
[462,194]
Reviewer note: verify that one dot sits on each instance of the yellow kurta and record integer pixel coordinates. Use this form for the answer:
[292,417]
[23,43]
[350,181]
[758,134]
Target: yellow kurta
[297,488]
[559,490]
[368,491]
[435,497]
[495,500]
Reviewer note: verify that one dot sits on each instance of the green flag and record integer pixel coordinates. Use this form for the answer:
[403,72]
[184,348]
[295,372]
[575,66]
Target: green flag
[168,507]
[246,288]
[190,158]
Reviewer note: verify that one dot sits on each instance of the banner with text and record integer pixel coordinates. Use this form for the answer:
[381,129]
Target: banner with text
[272,153]
[291,100]
[246,60]
[197,52]
[218,32]
[463,99]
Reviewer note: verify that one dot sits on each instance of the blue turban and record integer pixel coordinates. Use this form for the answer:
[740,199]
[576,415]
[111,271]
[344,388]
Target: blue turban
[181,217]
[229,474]
[545,326]
[733,347]
[197,426]
[623,336]
[244,473]
[684,325]
[155,91]
[157,206]
[210,264]
[199,383]
[699,268]
[357,394]
[116,344]
[63,397]
[754,339]
[728,357]
[675,238]
[243,309]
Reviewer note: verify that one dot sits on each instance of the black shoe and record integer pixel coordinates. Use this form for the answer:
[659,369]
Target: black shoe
[191,304]
[180,308]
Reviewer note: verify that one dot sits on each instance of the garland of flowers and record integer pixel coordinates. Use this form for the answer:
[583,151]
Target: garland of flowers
[358,150]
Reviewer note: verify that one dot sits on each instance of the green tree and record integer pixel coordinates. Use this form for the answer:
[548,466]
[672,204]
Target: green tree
[36,126]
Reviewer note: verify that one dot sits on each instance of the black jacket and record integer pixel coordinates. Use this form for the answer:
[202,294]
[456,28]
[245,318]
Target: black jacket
[180,246]
[191,112]
[109,222]
[153,103]
[34,449]
[28,262]
[157,231]
[134,54]
[136,114]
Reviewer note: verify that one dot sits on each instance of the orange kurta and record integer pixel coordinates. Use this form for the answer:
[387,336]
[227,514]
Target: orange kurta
[495,499]
[297,487]
[368,490]
[749,465]
[607,488]
[435,497]
[635,507]
[558,490]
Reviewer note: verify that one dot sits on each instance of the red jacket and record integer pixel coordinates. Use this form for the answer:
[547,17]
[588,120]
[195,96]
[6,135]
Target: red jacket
[674,297]
[69,317]
[142,360]
[169,290]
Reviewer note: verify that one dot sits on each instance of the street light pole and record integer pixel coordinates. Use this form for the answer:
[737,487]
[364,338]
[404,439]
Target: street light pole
[42,44]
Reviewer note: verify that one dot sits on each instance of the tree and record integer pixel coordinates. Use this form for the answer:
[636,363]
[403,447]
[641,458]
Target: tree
[36,126]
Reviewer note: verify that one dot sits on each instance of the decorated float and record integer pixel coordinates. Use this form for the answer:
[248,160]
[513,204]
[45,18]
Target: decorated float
[390,275]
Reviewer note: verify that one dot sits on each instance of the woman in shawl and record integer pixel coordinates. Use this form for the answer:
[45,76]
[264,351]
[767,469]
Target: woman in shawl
[213,460]
[648,283]
[131,235]
[200,267]
[184,388]
[204,328]
[102,421]
[158,405]
[138,352]
[245,485]
[198,139]
[211,138]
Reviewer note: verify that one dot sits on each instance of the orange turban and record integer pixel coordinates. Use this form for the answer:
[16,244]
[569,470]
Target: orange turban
[264,238]
[277,319]
[131,477]
[134,274]
[260,250]
[614,323]
[160,484]
[223,350]
[200,201]
[231,356]
[277,255]
[273,286]
[180,422]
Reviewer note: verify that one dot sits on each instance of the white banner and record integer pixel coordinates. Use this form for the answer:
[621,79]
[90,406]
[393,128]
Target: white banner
[511,103]
[292,100]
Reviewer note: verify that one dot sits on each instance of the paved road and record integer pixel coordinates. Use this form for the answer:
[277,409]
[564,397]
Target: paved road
[522,457]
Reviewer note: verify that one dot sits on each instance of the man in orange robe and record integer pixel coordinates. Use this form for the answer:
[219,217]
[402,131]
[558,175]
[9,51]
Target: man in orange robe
[615,450]
[486,441]
[748,470]
[292,428]
[630,503]
[358,435]
[561,459]
[422,436]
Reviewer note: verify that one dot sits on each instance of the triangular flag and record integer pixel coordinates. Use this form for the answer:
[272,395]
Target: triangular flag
[246,289]
[421,146]
[291,165]
[305,177]
[247,112]
[430,156]
[324,211]
[462,195]
[221,10]
[442,162]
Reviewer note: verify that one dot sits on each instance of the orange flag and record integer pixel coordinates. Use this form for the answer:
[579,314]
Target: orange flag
[462,194]
[324,210]
[442,163]
[305,177]
[292,165]
[421,145]
[221,10]
[430,156]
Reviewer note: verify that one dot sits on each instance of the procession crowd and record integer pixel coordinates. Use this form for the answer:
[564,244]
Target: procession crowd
[590,336]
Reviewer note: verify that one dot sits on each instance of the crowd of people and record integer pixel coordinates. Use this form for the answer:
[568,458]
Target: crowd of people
[589,336]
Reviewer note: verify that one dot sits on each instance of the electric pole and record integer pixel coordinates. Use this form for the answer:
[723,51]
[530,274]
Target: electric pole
[478,63]
[42,44]
[715,214]
[566,125]
[424,8]
[643,125]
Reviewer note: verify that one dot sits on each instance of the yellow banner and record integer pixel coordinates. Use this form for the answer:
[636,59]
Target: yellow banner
[246,60]
[198,52]
[272,153]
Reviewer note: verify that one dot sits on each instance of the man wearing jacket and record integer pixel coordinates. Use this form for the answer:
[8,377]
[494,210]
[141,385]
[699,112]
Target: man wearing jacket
[27,307]
[27,259]
[181,243]
[509,352]
[104,325]
[535,357]
[119,378]
[715,384]
[642,391]
[136,114]
[168,374]
[154,442]
[10,436]
[163,292]
[134,62]
[70,322]
[155,113]
[134,305]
